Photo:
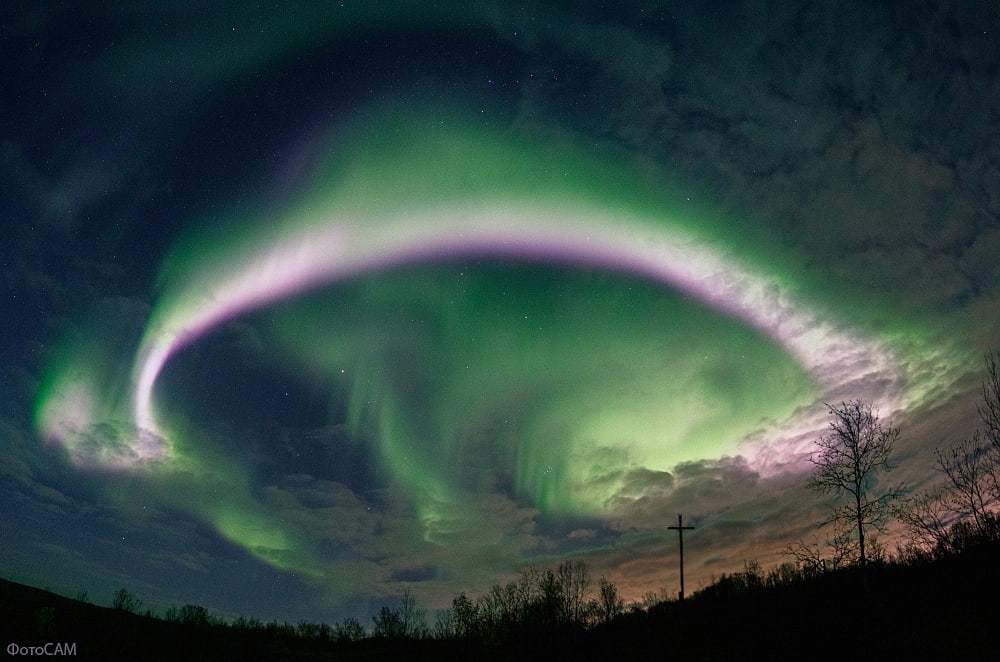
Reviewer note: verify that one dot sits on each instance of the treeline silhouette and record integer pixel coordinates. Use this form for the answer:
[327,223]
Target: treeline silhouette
[934,594]
[940,602]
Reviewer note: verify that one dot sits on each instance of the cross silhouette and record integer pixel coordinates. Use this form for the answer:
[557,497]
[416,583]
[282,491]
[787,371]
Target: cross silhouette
[680,529]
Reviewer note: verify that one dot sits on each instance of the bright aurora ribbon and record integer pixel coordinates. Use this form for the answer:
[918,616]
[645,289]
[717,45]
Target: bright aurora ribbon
[339,248]
[511,213]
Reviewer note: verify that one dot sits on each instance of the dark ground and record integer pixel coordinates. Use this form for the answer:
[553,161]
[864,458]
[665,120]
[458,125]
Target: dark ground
[945,609]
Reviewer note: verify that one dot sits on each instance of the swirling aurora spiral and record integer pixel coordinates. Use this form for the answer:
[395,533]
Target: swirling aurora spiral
[328,239]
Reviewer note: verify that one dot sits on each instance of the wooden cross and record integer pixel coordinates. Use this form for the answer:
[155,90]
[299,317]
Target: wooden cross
[680,529]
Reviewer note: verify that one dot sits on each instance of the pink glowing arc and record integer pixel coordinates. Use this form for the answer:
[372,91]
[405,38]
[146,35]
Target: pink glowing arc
[338,249]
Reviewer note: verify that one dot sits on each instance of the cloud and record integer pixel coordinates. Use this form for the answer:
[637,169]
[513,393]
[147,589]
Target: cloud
[794,120]
[421,573]
[581,534]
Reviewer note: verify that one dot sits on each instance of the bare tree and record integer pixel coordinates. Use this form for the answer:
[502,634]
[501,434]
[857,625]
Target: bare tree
[927,518]
[388,624]
[989,408]
[348,629]
[970,467]
[810,559]
[609,603]
[466,616]
[847,463]
[574,580]
[989,416]
[411,617]
[125,601]
[405,622]
[971,491]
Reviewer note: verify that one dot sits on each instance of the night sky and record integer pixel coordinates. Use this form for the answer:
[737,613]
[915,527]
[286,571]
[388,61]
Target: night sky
[305,306]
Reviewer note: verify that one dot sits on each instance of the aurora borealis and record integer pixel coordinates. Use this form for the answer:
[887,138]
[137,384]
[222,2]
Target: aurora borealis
[313,306]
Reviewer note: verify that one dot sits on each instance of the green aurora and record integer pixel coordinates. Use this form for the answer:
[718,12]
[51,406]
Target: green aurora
[469,376]
[461,410]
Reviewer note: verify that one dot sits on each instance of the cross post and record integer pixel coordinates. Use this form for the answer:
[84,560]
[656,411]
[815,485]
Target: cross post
[680,529]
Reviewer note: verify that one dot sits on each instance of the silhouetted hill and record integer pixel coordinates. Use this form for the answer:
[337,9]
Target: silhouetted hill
[942,608]
[33,617]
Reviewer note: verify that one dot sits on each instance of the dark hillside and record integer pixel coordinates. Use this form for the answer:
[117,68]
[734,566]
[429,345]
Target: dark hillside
[941,608]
